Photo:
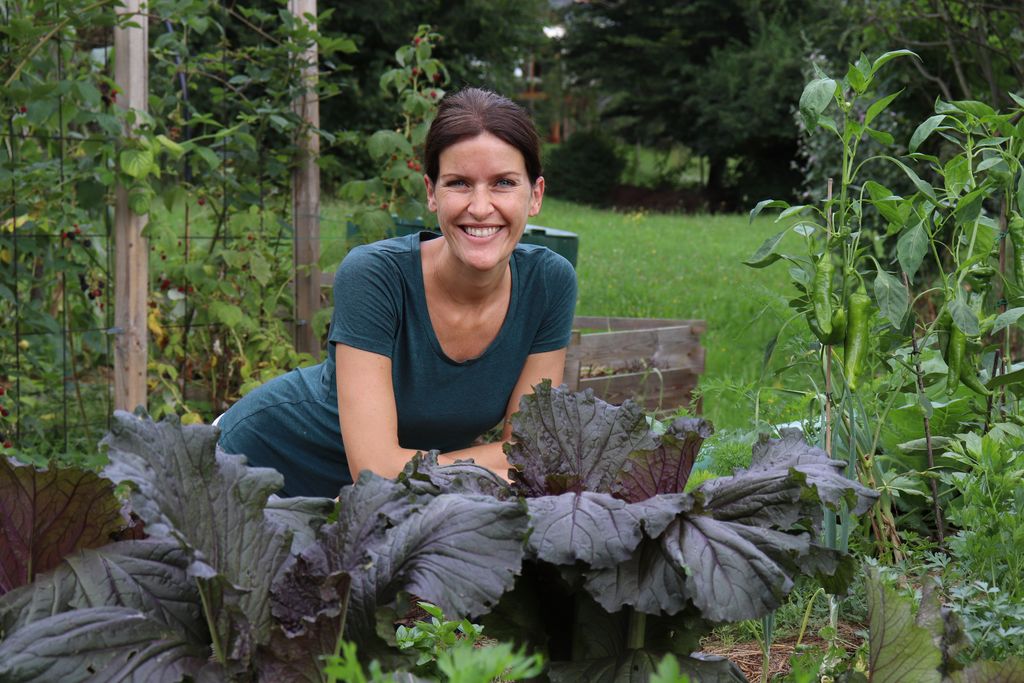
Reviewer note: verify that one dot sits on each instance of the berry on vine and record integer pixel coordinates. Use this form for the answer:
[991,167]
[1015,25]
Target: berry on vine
[4,412]
[201,201]
[8,444]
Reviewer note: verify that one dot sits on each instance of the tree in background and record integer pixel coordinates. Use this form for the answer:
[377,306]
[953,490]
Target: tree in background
[713,75]
[969,50]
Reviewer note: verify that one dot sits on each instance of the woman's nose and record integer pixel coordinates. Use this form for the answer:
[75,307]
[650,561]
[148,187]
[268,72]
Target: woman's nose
[480,203]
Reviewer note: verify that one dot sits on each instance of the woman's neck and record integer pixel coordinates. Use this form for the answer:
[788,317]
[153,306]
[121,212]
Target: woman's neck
[459,283]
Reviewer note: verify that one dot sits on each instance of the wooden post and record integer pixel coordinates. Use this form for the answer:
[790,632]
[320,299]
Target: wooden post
[131,272]
[306,197]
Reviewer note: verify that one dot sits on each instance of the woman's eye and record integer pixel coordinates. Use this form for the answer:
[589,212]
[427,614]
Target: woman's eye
[506,182]
[455,183]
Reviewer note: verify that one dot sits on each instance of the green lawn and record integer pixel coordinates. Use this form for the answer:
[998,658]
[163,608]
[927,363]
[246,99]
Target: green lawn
[675,266]
[684,266]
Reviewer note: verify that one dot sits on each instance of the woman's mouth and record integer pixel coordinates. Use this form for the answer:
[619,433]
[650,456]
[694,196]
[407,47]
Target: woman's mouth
[480,232]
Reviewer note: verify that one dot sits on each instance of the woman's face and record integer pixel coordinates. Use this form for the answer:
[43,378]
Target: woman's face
[482,199]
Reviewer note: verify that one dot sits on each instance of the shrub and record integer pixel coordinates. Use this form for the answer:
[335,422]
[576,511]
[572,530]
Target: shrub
[583,169]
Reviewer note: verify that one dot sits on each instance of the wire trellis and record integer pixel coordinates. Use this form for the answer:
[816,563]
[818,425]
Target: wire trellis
[220,303]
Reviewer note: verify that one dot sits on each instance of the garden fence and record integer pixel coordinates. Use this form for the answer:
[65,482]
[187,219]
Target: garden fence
[163,206]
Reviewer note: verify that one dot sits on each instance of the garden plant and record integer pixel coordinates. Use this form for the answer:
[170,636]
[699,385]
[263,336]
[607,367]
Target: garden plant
[912,295]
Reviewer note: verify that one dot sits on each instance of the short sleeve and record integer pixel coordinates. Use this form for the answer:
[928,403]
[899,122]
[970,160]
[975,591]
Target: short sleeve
[367,301]
[555,329]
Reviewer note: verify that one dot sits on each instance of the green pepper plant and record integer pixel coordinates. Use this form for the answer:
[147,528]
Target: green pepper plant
[916,341]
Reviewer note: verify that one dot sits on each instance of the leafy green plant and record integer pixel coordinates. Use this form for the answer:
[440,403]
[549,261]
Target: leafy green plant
[398,188]
[210,165]
[990,507]
[431,638]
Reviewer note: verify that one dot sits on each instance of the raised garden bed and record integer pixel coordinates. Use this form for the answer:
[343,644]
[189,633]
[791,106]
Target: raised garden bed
[655,361]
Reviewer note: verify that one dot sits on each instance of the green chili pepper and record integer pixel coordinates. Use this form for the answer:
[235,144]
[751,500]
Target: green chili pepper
[1016,229]
[838,333]
[942,325]
[822,294]
[955,350]
[858,331]
[970,378]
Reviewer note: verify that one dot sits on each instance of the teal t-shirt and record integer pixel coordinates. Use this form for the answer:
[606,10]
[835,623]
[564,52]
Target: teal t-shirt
[291,423]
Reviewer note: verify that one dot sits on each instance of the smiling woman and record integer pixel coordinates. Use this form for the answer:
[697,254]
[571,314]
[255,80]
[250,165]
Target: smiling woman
[433,340]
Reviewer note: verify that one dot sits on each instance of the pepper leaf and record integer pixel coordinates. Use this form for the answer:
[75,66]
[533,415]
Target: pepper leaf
[892,297]
[912,248]
[765,254]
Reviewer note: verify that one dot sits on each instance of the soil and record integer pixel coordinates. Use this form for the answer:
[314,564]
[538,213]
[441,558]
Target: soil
[747,655]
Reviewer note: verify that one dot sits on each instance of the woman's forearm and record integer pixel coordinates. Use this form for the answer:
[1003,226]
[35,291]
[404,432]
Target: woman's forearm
[390,465]
[489,455]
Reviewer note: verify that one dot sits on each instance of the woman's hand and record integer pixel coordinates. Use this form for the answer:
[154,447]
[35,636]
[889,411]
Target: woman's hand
[369,418]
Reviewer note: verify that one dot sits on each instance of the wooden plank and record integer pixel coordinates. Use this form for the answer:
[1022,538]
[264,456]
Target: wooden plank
[610,324]
[571,376]
[665,347]
[306,195]
[131,267]
[665,390]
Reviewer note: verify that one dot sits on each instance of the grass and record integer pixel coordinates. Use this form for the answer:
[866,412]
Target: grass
[676,266]
[685,266]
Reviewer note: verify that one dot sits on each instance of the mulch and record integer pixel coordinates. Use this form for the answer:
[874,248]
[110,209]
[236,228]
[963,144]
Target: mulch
[747,655]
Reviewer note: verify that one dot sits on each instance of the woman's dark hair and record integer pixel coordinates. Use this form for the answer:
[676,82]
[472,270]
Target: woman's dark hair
[472,111]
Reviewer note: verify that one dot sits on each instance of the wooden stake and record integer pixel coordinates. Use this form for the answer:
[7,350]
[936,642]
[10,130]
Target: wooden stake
[131,271]
[306,196]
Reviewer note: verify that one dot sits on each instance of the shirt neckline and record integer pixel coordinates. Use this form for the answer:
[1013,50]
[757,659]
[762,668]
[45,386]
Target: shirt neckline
[424,314]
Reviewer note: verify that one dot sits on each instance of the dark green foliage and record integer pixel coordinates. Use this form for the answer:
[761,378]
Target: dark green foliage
[710,75]
[585,168]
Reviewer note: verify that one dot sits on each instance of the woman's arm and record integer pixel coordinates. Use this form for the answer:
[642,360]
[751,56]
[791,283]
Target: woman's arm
[369,418]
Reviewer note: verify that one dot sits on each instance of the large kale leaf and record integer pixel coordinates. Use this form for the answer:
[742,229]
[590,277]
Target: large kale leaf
[48,514]
[100,643]
[213,505]
[573,442]
[459,551]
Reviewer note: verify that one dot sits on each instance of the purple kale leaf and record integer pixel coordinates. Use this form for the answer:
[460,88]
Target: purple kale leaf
[211,503]
[423,474]
[460,551]
[665,468]
[102,644]
[785,486]
[573,442]
[48,514]
[148,576]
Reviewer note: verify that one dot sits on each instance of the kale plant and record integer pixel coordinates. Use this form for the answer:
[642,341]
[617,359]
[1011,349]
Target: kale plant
[593,554]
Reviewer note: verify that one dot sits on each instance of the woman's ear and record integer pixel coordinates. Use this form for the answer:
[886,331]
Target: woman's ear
[431,200]
[536,196]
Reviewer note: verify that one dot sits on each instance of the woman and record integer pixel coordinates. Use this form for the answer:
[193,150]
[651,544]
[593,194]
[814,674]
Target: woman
[434,339]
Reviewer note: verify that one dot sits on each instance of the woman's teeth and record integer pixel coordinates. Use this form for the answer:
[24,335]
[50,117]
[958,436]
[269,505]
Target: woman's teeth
[481,232]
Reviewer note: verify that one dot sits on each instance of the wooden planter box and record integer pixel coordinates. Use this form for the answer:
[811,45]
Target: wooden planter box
[654,361]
